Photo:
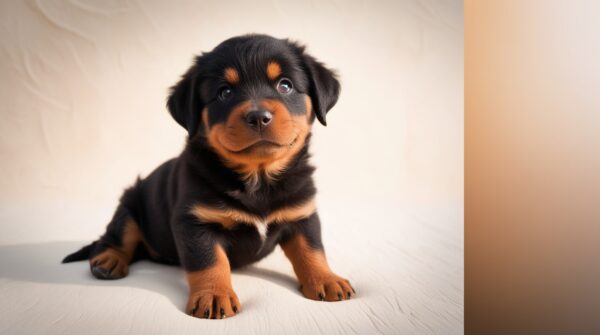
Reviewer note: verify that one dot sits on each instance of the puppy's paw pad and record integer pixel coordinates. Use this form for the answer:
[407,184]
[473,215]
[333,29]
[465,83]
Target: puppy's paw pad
[329,287]
[213,304]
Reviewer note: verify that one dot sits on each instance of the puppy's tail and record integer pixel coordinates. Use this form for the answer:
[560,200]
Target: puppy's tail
[81,254]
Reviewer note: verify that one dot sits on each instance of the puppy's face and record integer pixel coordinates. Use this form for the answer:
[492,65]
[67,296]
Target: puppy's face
[253,99]
[261,114]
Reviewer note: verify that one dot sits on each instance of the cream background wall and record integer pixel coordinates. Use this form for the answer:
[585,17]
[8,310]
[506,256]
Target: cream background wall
[83,86]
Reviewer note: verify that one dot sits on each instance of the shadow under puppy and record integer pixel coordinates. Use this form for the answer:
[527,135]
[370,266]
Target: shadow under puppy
[241,186]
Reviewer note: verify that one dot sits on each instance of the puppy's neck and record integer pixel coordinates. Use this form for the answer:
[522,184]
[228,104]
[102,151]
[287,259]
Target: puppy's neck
[256,176]
[253,175]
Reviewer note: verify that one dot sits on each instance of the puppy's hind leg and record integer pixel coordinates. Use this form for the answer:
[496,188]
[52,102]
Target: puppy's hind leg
[115,250]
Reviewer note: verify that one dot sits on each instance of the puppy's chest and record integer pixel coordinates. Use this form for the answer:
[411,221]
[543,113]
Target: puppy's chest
[229,216]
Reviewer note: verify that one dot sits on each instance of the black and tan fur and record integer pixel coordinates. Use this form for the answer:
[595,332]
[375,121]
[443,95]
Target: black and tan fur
[242,185]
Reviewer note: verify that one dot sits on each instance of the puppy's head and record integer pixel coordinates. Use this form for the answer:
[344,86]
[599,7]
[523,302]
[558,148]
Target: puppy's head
[253,99]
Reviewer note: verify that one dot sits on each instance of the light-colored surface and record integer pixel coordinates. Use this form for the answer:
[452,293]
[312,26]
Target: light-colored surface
[83,86]
[407,271]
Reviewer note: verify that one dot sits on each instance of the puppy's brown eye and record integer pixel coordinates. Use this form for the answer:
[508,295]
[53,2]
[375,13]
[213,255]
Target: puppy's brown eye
[225,93]
[284,86]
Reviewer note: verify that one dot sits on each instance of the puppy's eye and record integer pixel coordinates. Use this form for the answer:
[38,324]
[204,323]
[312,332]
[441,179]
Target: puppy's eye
[284,86]
[225,93]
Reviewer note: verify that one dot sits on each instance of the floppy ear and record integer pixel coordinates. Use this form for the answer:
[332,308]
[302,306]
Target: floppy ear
[184,103]
[324,87]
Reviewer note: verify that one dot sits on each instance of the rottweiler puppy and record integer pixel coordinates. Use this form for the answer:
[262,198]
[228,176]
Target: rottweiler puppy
[241,186]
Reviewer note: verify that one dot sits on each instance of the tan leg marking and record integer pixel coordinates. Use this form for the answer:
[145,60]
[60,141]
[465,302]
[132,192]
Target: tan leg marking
[211,295]
[317,280]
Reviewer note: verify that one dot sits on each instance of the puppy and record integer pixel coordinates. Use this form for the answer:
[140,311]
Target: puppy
[241,186]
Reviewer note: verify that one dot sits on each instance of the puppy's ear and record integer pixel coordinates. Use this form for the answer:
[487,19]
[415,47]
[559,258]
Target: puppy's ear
[184,102]
[324,87]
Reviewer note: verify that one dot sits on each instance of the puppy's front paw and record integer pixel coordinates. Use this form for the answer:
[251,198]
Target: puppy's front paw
[216,303]
[328,287]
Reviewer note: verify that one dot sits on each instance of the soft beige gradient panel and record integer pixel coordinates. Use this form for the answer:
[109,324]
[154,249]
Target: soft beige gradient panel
[532,162]
[84,85]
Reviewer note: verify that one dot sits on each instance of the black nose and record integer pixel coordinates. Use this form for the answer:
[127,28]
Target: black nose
[259,119]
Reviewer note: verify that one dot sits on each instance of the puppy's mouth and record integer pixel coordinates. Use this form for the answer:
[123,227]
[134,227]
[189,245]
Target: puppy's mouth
[265,146]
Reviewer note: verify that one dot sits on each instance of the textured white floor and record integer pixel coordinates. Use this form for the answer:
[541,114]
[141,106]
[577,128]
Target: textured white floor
[407,270]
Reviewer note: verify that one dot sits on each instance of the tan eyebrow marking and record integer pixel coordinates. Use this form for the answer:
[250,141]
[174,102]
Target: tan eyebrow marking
[273,70]
[232,76]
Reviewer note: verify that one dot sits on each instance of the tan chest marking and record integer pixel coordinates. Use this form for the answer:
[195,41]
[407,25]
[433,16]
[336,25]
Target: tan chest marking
[229,217]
